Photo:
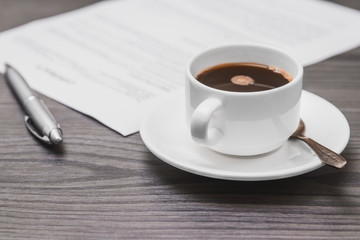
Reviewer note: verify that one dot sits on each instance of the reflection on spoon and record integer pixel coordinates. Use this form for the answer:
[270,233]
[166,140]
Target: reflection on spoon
[326,155]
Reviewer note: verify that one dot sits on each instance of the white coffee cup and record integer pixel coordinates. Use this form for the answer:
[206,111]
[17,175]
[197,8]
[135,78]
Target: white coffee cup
[243,123]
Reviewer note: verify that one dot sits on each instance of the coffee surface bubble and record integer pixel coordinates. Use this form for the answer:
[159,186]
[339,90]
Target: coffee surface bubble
[242,80]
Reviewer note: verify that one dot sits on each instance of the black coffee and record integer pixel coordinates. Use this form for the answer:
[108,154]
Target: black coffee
[243,77]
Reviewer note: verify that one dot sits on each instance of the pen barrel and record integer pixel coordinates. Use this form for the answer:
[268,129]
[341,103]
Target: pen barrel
[41,117]
[18,85]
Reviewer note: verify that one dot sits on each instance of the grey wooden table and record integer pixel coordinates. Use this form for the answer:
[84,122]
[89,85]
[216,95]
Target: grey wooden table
[100,185]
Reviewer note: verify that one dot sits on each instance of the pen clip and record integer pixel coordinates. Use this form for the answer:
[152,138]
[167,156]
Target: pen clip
[30,126]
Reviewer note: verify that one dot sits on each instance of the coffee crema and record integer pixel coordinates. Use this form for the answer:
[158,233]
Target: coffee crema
[244,77]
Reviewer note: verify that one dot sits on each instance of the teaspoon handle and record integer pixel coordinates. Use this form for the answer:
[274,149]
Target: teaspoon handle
[326,155]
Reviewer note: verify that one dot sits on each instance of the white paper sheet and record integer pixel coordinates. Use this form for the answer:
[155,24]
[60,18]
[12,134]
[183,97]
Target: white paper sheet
[115,59]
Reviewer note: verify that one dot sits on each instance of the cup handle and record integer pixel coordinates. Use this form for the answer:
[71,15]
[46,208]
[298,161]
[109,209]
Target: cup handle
[199,124]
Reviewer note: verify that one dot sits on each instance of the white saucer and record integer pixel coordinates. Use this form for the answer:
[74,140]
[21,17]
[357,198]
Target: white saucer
[166,135]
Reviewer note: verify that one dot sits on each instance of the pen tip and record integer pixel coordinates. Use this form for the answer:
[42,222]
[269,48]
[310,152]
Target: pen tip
[7,66]
[56,136]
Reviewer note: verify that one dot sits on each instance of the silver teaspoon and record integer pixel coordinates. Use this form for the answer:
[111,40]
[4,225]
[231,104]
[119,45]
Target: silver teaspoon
[326,155]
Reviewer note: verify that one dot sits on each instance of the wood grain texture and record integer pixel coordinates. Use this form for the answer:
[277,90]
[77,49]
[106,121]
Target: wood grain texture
[100,185]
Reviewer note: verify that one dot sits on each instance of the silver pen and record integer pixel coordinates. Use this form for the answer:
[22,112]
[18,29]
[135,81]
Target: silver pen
[38,119]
